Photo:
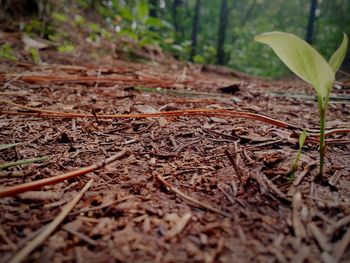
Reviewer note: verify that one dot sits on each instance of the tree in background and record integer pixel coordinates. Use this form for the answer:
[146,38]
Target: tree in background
[223,21]
[311,21]
[195,29]
[175,19]
[204,31]
[153,8]
[18,8]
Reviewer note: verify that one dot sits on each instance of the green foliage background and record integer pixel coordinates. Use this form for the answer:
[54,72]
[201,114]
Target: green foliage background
[130,19]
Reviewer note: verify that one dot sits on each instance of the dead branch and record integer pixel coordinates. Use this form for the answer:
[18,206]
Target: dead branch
[23,253]
[13,190]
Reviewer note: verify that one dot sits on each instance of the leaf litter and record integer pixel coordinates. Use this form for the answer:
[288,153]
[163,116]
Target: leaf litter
[191,187]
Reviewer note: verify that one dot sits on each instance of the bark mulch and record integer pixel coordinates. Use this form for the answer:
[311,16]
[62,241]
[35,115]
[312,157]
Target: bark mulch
[210,185]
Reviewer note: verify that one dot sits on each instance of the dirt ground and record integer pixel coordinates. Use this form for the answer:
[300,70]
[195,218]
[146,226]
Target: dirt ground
[206,186]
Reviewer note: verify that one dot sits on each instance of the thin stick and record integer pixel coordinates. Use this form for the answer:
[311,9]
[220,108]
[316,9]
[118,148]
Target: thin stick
[32,245]
[341,246]
[190,199]
[13,190]
[192,112]
[203,112]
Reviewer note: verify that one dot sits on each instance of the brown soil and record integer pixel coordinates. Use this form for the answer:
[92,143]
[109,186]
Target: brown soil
[199,188]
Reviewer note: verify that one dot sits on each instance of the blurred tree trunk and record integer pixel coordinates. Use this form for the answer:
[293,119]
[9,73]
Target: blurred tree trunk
[175,6]
[311,21]
[153,8]
[18,8]
[94,4]
[195,29]
[249,13]
[244,20]
[13,11]
[223,19]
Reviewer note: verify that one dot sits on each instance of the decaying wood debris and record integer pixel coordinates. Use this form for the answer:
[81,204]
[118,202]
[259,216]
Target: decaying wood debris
[190,187]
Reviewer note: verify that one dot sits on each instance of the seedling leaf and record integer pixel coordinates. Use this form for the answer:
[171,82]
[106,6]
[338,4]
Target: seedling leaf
[302,59]
[337,58]
[302,138]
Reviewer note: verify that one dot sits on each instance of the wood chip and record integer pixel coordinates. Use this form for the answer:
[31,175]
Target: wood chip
[40,195]
[179,226]
[32,245]
[319,237]
[339,224]
[301,175]
[190,199]
[302,254]
[340,246]
[299,229]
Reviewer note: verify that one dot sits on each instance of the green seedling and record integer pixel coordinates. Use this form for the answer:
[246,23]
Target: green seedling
[66,48]
[302,138]
[7,52]
[309,65]
[35,55]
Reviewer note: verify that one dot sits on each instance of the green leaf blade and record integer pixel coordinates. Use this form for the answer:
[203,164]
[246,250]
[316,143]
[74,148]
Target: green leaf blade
[337,58]
[302,59]
[302,139]
[6,146]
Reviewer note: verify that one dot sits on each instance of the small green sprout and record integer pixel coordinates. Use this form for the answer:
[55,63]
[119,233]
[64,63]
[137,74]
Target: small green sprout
[7,52]
[66,48]
[35,55]
[309,65]
[302,138]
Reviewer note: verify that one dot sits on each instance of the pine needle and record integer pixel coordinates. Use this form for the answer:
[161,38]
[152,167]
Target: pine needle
[21,162]
[6,146]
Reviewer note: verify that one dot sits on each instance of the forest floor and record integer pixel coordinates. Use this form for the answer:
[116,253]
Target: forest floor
[186,186]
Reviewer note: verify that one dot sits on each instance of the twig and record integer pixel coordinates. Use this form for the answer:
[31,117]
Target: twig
[6,239]
[200,112]
[106,80]
[342,98]
[319,237]
[179,226]
[97,78]
[300,176]
[339,224]
[219,248]
[13,190]
[335,178]
[24,252]
[345,73]
[6,146]
[275,189]
[299,229]
[301,255]
[329,203]
[340,246]
[234,163]
[80,235]
[199,204]
[191,112]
